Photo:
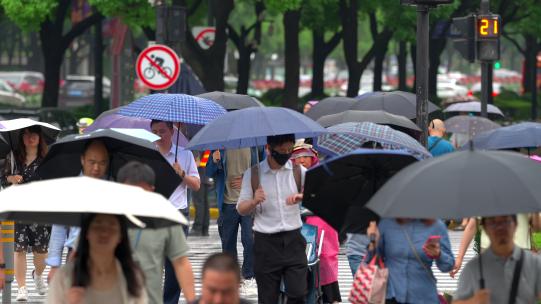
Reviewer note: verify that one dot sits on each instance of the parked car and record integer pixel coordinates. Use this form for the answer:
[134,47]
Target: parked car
[25,82]
[65,120]
[450,89]
[8,96]
[496,88]
[78,90]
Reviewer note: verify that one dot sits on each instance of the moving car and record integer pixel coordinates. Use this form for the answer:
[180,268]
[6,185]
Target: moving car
[25,82]
[78,90]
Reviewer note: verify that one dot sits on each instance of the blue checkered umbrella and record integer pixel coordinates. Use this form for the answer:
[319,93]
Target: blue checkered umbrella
[346,137]
[175,108]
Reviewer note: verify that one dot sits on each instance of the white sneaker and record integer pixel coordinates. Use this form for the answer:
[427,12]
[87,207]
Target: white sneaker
[249,287]
[22,294]
[40,285]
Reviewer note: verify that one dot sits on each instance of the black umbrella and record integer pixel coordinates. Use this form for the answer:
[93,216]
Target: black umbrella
[231,101]
[330,105]
[396,102]
[338,189]
[462,184]
[64,157]
[397,122]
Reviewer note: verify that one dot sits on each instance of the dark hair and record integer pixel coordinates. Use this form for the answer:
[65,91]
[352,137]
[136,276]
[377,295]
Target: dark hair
[222,262]
[513,217]
[131,271]
[136,172]
[167,123]
[20,152]
[277,140]
[90,143]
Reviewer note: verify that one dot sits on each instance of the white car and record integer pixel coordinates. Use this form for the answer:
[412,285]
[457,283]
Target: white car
[9,96]
[496,88]
[448,90]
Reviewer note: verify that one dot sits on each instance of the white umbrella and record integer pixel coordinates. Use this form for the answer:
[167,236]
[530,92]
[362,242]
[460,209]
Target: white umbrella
[472,106]
[140,133]
[21,123]
[65,200]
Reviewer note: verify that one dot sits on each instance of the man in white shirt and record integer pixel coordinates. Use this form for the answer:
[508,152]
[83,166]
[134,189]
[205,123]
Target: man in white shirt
[184,164]
[279,247]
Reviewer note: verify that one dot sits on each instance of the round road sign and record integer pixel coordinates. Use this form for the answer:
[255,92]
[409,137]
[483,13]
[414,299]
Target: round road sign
[158,67]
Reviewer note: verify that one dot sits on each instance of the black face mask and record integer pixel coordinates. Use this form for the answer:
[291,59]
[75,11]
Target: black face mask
[280,158]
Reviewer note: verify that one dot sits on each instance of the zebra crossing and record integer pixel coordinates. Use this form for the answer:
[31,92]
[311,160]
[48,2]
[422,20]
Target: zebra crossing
[201,247]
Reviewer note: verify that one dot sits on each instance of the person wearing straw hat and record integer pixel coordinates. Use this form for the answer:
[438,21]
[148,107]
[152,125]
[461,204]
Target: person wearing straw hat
[509,273]
[279,247]
[306,155]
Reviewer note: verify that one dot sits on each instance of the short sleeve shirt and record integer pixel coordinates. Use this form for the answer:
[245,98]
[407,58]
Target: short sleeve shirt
[185,159]
[151,247]
[498,276]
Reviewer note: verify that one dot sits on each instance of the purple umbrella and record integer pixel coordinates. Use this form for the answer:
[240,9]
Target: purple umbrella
[110,119]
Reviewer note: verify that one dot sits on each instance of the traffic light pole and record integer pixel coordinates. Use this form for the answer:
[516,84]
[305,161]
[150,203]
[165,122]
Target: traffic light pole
[421,76]
[486,75]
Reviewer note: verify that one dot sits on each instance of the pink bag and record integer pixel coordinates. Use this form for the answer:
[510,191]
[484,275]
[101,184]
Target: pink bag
[370,283]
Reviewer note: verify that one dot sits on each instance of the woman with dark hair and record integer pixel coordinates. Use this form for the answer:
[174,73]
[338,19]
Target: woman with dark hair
[103,270]
[409,248]
[22,169]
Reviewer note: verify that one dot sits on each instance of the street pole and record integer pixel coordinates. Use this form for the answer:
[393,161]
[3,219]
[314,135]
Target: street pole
[486,79]
[421,76]
[8,239]
[98,69]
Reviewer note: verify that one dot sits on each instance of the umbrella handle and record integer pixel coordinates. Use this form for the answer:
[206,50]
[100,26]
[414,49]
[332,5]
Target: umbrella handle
[176,149]
[135,221]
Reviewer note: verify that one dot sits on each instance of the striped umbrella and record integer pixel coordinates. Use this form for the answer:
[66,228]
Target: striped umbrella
[346,137]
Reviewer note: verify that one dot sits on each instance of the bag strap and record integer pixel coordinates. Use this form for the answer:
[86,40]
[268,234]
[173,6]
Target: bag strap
[430,274]
[516,278]
[297,174]
[435,144]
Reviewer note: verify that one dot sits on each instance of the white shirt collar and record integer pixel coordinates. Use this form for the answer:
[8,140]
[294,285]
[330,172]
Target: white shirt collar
[265,167]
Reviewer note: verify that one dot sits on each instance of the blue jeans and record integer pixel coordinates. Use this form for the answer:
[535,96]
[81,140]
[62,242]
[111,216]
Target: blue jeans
[171,288]
[228,227]
[354,262]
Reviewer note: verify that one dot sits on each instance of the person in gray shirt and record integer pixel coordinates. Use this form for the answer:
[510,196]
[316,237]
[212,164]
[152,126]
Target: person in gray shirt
[499,263]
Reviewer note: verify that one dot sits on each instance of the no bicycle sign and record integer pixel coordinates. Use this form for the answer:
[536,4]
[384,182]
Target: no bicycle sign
[158,67]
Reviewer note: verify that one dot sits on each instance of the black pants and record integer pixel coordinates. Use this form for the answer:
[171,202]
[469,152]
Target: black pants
[202,214]
[277,256]
[171,288]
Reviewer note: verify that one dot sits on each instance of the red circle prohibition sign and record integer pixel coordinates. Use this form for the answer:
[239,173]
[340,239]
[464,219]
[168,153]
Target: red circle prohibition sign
[159,69]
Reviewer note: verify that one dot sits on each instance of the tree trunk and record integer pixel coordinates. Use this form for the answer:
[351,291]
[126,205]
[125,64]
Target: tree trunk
[530,59]
[531,42]
[436,48]
[413,51]
[243,68]
[318,64]
[348,16]
[402,59]
[208,64]
[292,58]
[53,63]
[381,47]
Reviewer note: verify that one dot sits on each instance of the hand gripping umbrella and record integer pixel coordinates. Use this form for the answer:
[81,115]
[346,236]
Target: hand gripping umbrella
[177,108]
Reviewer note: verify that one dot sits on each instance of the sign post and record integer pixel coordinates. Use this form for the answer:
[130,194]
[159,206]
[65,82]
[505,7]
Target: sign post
[158,67]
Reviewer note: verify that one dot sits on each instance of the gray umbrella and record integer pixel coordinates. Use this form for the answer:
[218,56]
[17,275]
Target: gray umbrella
[474,107]
[471,125]
[331,105]
[522,135]
[462,184]
[398,122]
[397,102]
[231,101]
